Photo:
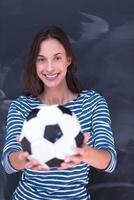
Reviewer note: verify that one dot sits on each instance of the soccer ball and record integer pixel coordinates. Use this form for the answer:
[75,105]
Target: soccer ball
[50,133]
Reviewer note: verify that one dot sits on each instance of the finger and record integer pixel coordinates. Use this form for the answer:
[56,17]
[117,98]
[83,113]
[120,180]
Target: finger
[25,155]
[32,164]
[79,152]
[66,165]
[18,138]
[86,138]
[40,168]
[73,159]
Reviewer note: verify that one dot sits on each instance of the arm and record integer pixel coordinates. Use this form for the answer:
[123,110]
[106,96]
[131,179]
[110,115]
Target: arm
[13,158]
[13,129]
[96,158]
[103,136]
[19,161]
[102,154]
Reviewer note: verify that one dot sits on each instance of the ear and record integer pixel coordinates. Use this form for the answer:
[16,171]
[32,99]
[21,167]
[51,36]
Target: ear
[69,60]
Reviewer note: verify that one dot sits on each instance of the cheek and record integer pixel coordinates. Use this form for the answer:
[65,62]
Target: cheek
[39,68]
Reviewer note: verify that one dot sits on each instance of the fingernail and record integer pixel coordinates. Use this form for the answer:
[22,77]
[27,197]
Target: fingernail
[67,160]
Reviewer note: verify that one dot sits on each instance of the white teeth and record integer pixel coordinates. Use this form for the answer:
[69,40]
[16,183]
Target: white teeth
[51,76]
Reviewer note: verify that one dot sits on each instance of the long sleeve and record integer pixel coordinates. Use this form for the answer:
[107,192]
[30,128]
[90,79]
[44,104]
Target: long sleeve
[13,129]
[102,132]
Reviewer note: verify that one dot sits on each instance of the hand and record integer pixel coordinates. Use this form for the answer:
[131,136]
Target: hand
[35,165]
[19,160]
[80,154]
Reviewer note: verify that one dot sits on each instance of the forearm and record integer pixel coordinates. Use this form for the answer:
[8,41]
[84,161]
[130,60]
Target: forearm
[8,149]
[17,160]
[6,163]
[98,158]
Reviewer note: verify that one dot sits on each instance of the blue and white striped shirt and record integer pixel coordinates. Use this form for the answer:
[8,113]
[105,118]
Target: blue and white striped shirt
[69,184]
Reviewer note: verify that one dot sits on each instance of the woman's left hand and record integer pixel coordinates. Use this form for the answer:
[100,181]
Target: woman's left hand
[97,158]
[80,154]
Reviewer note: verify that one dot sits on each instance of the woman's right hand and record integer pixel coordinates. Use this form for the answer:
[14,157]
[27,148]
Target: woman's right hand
[19,161]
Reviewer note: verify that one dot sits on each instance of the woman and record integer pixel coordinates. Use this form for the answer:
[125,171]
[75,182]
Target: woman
[50,78]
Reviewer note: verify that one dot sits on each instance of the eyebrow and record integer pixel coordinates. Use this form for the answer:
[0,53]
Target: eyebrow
[54,55]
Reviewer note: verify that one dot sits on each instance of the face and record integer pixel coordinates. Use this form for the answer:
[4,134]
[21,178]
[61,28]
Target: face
[52,63]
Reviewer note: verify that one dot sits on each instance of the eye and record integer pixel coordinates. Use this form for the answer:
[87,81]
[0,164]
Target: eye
[40,59]
[58,58]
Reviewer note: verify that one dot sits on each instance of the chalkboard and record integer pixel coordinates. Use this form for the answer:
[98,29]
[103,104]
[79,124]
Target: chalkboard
[102,37]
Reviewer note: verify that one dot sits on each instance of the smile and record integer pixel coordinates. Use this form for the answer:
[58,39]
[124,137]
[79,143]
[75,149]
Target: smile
[51,76]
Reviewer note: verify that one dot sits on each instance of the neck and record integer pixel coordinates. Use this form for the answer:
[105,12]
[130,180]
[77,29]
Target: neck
[60,97]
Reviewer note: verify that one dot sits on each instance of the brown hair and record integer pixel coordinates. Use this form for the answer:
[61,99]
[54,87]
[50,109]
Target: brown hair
[32,83]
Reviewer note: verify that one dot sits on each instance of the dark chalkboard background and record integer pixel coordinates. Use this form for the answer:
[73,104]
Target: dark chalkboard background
[102,36]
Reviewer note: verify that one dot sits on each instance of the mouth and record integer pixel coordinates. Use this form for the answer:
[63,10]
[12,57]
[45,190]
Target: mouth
[51,76]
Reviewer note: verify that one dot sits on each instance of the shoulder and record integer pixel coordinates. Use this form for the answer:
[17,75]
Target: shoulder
[24,103]
[92,99]
[21,100]
[91,95]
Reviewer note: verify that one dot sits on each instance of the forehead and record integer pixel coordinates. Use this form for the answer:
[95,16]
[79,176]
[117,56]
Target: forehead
[51,46]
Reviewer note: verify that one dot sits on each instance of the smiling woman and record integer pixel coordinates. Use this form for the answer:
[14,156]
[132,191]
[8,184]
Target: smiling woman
[50,78]
[50,51]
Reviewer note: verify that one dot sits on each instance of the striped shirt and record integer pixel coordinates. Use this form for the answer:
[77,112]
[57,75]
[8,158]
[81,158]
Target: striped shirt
[68,184]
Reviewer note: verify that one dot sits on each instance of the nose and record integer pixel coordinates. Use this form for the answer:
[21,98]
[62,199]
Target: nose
[49,67]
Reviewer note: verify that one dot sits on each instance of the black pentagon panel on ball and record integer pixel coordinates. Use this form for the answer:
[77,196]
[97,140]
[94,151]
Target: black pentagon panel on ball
[65,110]
[54,162]
[32,114]
[53,133]
[79,139]
[26,146]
